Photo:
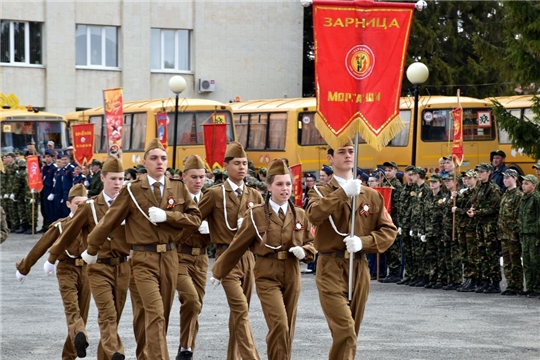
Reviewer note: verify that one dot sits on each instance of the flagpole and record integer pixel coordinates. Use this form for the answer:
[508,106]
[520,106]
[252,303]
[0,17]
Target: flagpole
[351,255]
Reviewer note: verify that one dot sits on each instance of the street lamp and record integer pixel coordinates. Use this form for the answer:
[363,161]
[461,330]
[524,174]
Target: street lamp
[177,84]
[417,73]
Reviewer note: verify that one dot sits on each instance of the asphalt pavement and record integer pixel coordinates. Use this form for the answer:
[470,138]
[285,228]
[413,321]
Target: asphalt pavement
[400,322]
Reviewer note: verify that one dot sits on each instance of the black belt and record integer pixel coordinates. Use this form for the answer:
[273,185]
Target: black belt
[75,261]
[222,246]
[342,254]
[195,251]
[280,255]
[159,248]
[112,261]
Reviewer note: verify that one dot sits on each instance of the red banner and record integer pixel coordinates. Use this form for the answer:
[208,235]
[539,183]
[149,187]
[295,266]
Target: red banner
[360,52]
[34,173]
[457,146]
[215,144]
[296,172]
[83,142]
[114,117]
[162,121]
[386,193]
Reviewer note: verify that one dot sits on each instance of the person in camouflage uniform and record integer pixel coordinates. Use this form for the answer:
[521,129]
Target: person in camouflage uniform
[508,227]
[393,254]
[417,226]
[431,236]
[529,234]
[22,197]
[12,211]
[452,259]
[404,220]
[485,208]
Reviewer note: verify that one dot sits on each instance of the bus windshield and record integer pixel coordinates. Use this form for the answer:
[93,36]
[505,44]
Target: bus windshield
[17,134]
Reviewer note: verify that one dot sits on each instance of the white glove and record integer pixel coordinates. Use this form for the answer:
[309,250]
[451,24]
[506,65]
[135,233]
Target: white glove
[50,197]
[423,238]
[203,229]
[131,252]
[20,277]
[411,233]
[89,259]
[50,269]
[399,231]
[239,222]
[33,191]
[12,197]
[86,184]
[215,282]
[6,196]
[352,187]
[32,201]
[298,252]
[157,215]
[353,243]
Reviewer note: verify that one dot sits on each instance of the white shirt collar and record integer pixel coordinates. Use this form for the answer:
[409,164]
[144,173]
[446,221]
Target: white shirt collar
[276,207]
[198,196]
[234,186]
[107,198]
[341,181]
[151,180]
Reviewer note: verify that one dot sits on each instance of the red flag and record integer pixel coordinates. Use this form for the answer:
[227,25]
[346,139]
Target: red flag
[34,173]
[386,193]
[360,52]
[457,146]
[83,142]
[215,144]
[161,119]
[114,117]
[296,172]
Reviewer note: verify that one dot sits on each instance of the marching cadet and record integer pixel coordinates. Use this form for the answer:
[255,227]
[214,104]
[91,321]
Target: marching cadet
[529,234]
[71,272]
[223,207]
[433,264]
[154,209]
[485,209]
[192,263]
[417,226]
[404,208]
[329,209]
[109,277]
[280,235]
[393,254]
[509,228]
[47,172]
[453,276]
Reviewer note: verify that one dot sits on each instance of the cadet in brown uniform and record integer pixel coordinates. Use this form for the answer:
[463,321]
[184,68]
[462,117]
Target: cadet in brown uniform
[329,209]
[192,263]
[280,235]
[72,277]
[223,207]
[109,277]
[155,209]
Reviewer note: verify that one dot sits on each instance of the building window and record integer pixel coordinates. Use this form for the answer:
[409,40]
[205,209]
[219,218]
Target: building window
[96,46]
[21,42]
[171,50]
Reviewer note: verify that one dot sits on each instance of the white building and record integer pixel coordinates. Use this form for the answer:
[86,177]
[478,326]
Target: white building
[60,55]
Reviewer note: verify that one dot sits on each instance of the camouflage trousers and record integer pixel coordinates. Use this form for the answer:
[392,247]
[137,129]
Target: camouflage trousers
[452,261]
[418,257]
[406,244]
[467,246]
[25,211]
[12,213]
[432,258]
[393,257]
[531,261]
[513,270]
[488,264]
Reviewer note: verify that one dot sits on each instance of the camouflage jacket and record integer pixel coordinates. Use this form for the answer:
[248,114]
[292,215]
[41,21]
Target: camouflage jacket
[529,215]
[508,216]
[487,202]
[433,214]
[417,208]
[406,196]
[463,204]
[396,192]
[10,179]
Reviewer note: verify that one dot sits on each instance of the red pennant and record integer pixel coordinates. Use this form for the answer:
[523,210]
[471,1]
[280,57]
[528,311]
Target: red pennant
[83,142]
[296,172]
[161,119]
[457,146]
[386,193]
[215,144]
[34,173]
[114,117]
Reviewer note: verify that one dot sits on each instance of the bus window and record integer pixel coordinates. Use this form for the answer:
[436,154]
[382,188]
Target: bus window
[402,138]
[307,132]
[437,125]
[134,131]
[241,124]
[278,131]
[100,138]
[504,137]
[17,134]
[189,128]
[257,131]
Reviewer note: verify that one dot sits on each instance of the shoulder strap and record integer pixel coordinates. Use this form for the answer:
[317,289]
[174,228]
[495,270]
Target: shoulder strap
[330,217]
[128,186]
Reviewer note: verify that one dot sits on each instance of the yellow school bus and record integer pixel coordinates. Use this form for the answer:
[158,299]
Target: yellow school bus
[140,127]
[21,126]
[520,107]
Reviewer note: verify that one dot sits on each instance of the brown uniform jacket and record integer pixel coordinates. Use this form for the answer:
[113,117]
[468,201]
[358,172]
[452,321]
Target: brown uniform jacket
[193,238]
[83,223]
[182,212]
[277,233]
[46,241]
[373,226]
[213,211]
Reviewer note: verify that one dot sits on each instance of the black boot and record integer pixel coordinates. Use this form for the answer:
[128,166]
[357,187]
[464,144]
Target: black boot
[392,278]
[184,355]
[117,356]
[81,344]
[464,284]
[423,282]
[413,281]
[471,286]
[493,288]
[480,289]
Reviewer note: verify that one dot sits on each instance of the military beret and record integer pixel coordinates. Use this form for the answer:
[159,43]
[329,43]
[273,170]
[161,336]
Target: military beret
[113,164]
[235,150]
[435,177]
[511,172]
[530,178]
[483,167]
[536,166]
[390,164]
[327,169]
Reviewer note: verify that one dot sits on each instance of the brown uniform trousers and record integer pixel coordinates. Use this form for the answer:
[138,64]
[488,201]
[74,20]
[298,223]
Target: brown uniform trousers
[154,263]
[137,308]
[191,284]
[239,283]
[377,232]
[109,278]
[72,283]
[277,272]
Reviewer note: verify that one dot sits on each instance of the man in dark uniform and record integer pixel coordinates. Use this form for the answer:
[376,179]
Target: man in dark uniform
[47,172]
[499,167]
